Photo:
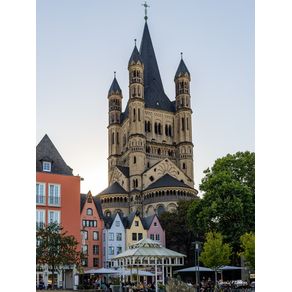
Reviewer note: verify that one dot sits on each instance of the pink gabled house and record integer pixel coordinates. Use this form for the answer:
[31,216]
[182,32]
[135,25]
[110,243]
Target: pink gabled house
[154,229]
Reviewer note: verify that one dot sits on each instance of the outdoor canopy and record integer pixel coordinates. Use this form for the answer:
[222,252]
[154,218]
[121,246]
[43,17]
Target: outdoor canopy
[101,271]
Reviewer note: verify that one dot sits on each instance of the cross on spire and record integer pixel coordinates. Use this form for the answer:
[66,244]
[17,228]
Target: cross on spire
[146,6]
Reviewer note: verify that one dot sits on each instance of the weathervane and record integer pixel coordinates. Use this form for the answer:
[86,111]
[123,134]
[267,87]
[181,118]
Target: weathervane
[146,6]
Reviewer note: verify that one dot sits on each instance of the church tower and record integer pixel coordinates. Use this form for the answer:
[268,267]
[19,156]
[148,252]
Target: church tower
[137,140]
[150,162]
[114,126]
[183,119]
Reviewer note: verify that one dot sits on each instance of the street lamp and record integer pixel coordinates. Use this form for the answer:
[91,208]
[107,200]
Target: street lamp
[197,253]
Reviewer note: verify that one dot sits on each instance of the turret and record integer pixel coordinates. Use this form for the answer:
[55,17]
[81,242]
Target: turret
[137,140]
[183,119]
[114,128]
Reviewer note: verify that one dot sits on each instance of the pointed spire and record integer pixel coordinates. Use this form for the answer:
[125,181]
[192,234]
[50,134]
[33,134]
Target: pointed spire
[154,95]
[115,88]
[135,57]
[182,68]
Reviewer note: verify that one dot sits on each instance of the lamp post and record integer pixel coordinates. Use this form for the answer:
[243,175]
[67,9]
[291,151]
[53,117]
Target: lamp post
[197,253]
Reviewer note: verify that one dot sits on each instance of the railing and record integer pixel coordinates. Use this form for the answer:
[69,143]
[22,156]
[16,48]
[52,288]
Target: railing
[54,201]
[40,199]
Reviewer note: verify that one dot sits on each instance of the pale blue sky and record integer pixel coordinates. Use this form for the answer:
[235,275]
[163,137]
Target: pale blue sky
[80,43]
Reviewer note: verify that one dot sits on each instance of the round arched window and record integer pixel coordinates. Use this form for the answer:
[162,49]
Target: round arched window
[89,212]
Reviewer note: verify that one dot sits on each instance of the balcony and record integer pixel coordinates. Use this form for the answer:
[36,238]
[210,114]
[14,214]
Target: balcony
[40,200]
[54,201]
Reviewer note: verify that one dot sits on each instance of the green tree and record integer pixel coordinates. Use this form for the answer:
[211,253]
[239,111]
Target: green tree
[247,241]
[56,249]
[179,236]
[228,203]
[215,253]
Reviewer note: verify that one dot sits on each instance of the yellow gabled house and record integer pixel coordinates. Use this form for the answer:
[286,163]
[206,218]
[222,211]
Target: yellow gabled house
[135,230]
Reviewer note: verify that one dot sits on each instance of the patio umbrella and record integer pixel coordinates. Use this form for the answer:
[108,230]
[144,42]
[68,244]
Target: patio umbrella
[103,271]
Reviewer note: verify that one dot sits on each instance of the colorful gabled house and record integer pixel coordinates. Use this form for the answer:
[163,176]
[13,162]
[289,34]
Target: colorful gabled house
[57,200]
[154,229]
[114,237]
[91,229]
[135,230]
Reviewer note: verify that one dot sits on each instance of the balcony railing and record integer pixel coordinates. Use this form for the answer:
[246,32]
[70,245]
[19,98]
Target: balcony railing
[40,225]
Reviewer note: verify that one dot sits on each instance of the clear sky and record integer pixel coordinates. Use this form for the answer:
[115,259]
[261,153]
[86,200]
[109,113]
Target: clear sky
[80,43]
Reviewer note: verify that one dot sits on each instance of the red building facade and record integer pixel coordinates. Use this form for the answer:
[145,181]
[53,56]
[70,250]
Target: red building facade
[92,226]
[57,200]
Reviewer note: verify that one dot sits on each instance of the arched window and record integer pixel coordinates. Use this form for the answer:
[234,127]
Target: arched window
[166,130]
[187,123]
[159,129]
[169,131]
[139,115]
[113,138]
[184,166]
[183,124]
[135,159]
[160,210]
[149,126]
[118,140]
[155,128]
[134,115]
[146,129]
[89,211]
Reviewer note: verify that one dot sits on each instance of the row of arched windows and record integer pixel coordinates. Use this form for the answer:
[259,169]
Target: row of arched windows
[158,128]
[159,151]
[183,101]
[114,200]
[184,124]
[136,91]
[168,193]
[182,87]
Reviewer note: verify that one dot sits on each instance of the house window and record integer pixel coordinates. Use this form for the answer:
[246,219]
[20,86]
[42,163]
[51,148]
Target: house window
[54,195]
[119,236]
[95,249]
[118,223]
[84,262]
[140,236]
[95,262]
[40,193]
[152,236]
[40,218]
[47,166]
[119,249]
[85,249]
[111,250]
[95,235]
[85,235]
[157,237]
[134,236]
[89,212]
[155,223]
[111,236]
[136,223]
[54,216]
[135,159]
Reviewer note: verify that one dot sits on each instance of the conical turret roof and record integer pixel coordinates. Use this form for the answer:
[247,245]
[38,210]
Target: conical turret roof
[115,88]
[135,57]
[182,69]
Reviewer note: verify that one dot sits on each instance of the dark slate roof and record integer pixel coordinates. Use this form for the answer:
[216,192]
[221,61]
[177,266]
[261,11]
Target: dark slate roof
[108,220]
[83,198]
[131,217]
[154,95]
[98,207]
[167,181]
[124,170]
[135,57]
[147,221]
[115,88]
[182,69]
[115,188]
[46,151]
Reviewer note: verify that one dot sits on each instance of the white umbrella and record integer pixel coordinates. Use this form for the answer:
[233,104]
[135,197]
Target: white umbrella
[101,271]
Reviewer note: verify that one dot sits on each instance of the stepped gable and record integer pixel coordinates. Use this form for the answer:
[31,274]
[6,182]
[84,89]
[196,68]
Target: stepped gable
[46,151]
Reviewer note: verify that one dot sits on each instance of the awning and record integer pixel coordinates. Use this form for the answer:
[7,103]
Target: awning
[101,271]
[194,269]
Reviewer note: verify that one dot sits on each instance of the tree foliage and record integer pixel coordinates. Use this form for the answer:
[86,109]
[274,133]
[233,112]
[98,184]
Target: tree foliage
[179,236]
[247,241]
[228,203]
[215,253]
[55,248]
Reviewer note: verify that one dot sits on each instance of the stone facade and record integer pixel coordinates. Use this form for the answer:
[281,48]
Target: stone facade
[150,162]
